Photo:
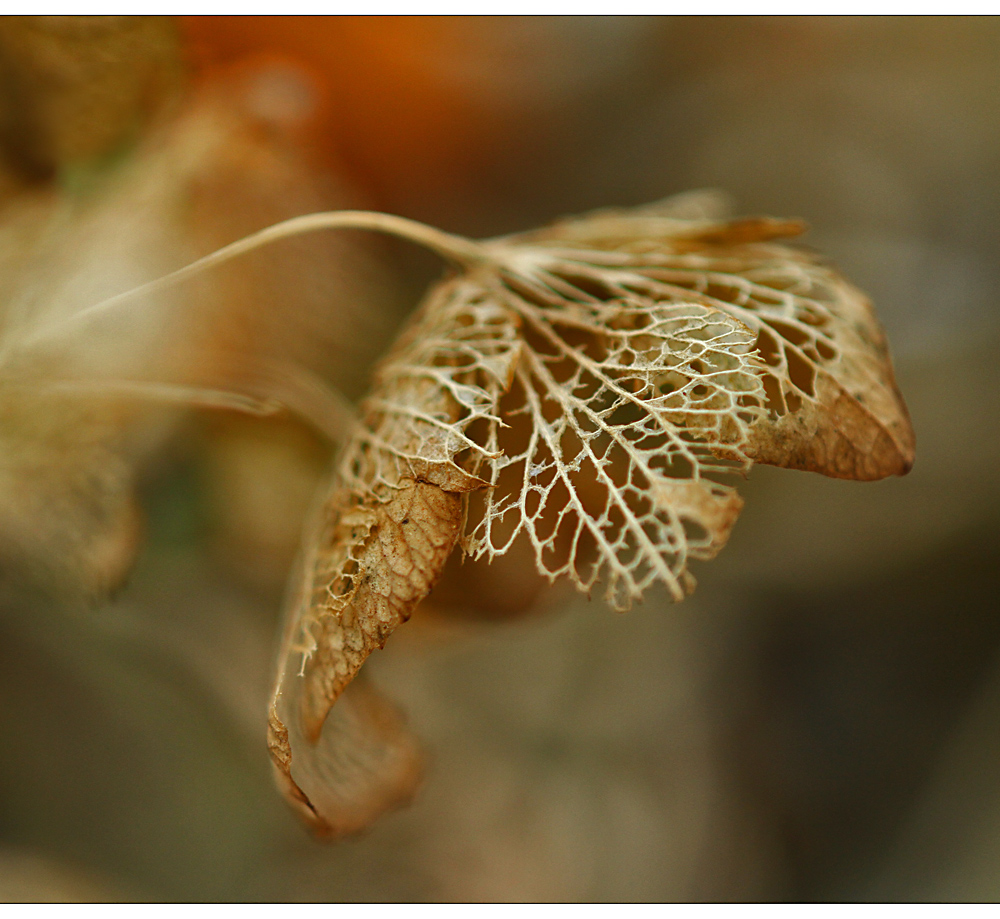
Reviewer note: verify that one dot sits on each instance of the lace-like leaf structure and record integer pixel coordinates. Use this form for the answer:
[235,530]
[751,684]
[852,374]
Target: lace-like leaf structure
[593,388]
[832,402]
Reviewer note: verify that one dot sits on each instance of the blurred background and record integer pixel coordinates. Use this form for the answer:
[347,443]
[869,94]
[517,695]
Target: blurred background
[820,721]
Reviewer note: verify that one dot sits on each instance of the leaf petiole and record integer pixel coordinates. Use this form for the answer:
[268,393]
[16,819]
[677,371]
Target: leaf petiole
[451,247]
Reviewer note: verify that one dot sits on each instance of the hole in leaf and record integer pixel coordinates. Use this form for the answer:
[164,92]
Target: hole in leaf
[669,382]
[727,293]
[694,532]
[800,371]
[790,333]
[677,466]
[772,389]
[626,415]
[768,348]
[615,519]
[826,351]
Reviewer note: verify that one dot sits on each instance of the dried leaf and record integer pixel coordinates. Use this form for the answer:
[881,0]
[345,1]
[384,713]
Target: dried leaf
[380,541]
[365,763]
[635,407]
[590,387]
[832,399]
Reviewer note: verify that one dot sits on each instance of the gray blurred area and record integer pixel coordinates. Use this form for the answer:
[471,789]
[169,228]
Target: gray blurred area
[819,721]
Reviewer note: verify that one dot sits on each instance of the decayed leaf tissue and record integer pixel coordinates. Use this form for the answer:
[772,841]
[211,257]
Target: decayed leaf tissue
[592,388]
[286,379]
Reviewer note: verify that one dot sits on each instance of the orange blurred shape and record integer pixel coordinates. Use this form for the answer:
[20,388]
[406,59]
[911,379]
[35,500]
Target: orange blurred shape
[397,105]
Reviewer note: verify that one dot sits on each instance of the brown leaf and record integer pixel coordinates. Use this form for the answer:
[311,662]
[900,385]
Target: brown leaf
[589,388]
[384,530]
[373,562]
[844,415]
[378,560]
[365,762]
[832,400]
